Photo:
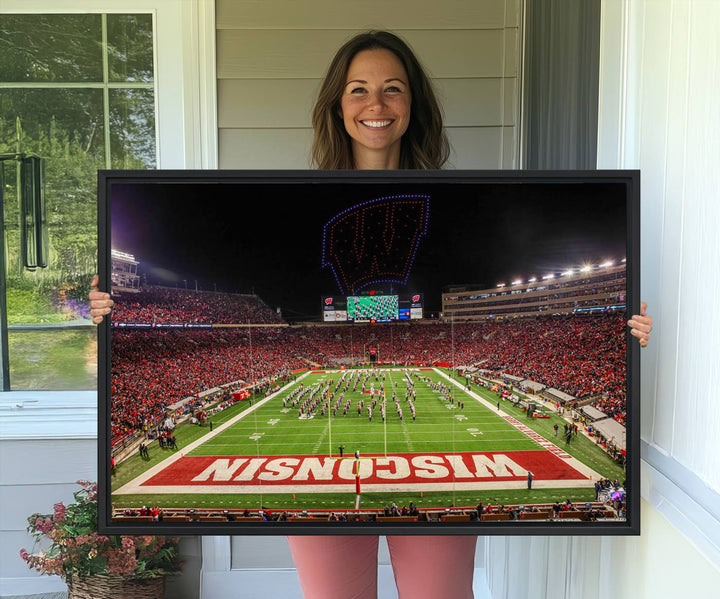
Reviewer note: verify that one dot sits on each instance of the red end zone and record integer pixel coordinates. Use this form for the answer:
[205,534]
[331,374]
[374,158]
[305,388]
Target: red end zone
[312,473]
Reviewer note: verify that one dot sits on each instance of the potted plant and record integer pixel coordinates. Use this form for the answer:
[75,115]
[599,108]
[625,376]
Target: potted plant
[95,566]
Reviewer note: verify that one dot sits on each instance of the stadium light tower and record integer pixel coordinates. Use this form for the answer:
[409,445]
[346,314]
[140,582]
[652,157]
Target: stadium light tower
[586,268]
[607,263]
[568,272]
[548,277]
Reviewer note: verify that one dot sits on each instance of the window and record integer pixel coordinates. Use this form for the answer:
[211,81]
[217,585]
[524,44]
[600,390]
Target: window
[77,90]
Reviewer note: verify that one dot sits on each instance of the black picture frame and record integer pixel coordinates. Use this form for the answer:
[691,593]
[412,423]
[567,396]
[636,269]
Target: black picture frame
[587,198]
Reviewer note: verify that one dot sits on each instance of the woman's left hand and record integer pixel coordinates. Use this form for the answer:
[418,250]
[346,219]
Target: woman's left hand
[641,325]
[100,302]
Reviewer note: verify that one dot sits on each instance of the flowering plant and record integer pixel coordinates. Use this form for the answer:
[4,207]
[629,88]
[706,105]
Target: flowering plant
[77,550]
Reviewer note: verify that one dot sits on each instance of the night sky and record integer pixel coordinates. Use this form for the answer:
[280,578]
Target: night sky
[245,236]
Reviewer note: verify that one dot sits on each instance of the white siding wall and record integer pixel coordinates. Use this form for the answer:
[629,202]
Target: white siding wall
[271,57]
[660,81]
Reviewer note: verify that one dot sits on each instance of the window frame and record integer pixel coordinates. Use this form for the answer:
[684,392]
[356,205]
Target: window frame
[186,130]
[185,107]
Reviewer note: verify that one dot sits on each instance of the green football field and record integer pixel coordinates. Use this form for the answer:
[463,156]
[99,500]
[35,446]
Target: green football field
[439,425]
[244,436]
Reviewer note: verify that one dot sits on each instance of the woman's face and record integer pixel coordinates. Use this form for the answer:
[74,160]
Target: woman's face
[375,106]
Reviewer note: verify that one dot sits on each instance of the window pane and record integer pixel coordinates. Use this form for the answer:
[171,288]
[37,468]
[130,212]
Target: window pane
[53,359]
[130,47]
[65,127]
[50,48]
[53,121]
[132,128]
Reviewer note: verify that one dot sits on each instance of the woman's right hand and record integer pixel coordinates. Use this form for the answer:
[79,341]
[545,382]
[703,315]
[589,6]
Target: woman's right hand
[641,325]
[100,302]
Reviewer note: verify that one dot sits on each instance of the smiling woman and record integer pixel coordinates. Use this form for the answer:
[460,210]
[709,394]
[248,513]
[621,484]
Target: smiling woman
[364,107]
[375,107]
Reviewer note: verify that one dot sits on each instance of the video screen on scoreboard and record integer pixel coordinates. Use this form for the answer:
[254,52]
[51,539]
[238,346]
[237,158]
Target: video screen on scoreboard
[372,308]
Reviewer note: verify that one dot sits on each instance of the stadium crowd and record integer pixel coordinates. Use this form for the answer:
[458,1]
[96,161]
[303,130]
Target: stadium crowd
[581,355]
[153,369]
[163,305]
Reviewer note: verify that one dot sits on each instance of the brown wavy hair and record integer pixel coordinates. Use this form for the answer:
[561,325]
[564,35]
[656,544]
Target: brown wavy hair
[423,146]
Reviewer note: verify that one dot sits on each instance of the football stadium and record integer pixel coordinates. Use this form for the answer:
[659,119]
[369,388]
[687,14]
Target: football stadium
[389,398]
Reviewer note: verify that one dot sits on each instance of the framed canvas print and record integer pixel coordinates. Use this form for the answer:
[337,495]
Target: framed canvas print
[388,352]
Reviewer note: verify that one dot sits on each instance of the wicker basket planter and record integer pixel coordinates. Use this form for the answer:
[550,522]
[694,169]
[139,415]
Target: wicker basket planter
[116,587]
[67,544]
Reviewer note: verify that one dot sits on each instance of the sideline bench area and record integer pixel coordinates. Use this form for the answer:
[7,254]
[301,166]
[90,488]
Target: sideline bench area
[510,513]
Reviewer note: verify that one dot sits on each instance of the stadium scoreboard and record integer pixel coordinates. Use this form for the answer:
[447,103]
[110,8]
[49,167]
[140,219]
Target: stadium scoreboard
[372,308]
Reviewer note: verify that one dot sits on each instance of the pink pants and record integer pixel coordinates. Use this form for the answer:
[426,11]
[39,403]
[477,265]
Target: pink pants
[345,567]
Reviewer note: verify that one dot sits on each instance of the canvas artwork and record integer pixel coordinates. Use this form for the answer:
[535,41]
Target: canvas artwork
[413,353]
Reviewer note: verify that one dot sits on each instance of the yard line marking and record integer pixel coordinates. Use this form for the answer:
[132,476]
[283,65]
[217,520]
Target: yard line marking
[479,486]
[408,440]
[321,438]
[360,434]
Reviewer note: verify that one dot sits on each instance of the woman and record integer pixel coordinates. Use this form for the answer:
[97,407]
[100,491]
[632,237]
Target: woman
[345,135]
[377,110]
